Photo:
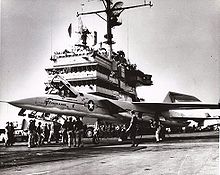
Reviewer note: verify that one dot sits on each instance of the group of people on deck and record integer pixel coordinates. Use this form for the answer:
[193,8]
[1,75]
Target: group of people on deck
[71,130]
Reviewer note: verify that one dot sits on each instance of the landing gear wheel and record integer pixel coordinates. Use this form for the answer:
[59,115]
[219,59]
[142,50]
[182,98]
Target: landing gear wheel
[89,133]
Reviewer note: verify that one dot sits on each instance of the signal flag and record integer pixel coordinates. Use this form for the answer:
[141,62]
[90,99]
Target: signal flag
[70,30]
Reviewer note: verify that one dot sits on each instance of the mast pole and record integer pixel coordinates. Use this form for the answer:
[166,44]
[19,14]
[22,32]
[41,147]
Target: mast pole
[109,29]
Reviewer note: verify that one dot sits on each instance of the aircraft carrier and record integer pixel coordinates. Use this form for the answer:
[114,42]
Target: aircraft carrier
[97,68]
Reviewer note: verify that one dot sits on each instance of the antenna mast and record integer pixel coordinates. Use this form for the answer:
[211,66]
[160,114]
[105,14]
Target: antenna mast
[112,12]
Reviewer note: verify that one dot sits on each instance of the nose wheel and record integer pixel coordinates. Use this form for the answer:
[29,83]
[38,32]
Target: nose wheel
[89,133]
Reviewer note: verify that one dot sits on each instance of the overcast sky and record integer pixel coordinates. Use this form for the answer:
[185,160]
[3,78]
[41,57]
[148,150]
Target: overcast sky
[176,41]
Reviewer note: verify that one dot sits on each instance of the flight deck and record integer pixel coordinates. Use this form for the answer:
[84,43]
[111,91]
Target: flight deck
[188,153]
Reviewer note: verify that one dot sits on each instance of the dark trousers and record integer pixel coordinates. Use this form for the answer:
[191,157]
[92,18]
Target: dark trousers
[133,137]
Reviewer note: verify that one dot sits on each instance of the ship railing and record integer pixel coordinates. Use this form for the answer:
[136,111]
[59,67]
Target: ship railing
[72,54]
[78,75]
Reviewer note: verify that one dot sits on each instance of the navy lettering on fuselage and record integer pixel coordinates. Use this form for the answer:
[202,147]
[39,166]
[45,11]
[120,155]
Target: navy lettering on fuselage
[53,102]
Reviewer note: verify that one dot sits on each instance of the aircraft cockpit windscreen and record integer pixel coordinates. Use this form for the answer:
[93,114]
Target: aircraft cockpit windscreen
[58,88]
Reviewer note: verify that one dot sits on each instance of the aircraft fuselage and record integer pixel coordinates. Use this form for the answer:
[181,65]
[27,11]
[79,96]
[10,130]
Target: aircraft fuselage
[80,106]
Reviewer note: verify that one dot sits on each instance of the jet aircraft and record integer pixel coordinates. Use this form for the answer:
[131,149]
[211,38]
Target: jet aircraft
[63,99]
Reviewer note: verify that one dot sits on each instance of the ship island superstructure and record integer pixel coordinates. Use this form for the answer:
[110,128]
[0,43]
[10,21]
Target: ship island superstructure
[99,71]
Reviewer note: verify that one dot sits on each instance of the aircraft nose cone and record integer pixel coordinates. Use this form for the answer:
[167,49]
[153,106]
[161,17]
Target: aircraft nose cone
[21,103]
[16,103]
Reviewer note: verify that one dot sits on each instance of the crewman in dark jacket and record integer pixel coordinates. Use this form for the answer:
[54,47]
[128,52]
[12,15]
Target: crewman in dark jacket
[31,133]
[64,132]
[79,131]
[70,130]
[132,129]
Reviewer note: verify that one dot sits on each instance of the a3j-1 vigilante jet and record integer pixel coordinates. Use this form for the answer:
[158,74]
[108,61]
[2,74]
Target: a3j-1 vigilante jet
[67,101]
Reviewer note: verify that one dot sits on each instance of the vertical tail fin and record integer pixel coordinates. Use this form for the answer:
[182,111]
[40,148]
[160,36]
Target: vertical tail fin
[173,97]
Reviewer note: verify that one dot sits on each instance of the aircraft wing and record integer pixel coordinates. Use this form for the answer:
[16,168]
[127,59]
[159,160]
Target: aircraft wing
[113,108]
[160,107]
